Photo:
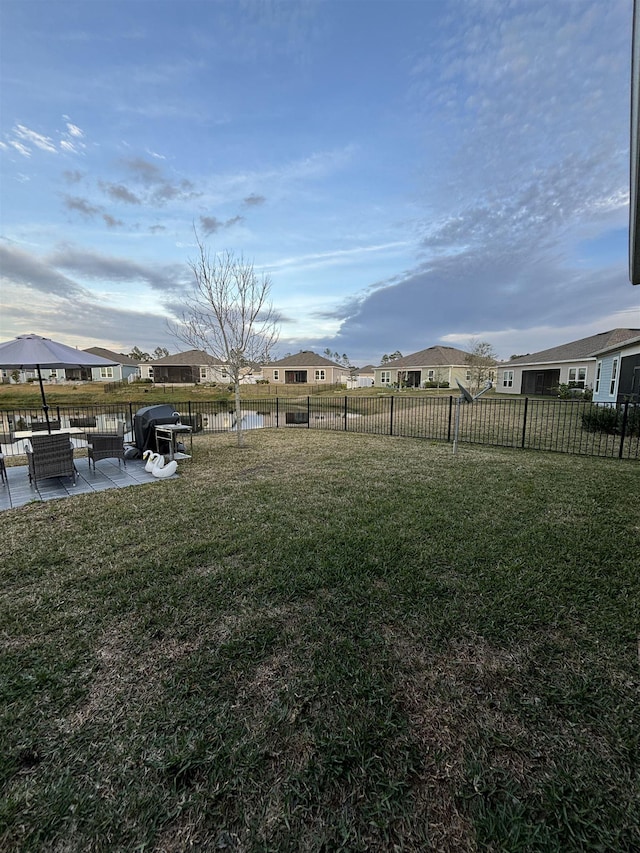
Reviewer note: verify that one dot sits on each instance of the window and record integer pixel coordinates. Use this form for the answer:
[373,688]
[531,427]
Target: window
[53,374]
[203,373]
[577,376]
[614,376]
[507,378]
[598,371]
[106,373]
[276,375]
[468,376]
[385,377]
[431,375]
[319,375]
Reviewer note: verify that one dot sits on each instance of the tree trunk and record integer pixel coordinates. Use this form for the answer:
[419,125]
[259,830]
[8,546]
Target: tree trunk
[239,431]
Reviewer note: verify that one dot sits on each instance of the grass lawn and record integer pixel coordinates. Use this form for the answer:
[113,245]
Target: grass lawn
[327,641]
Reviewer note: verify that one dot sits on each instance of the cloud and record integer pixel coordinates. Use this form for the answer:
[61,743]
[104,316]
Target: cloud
[155,187]
[24,269]
[37,139]
[254,200]
[107,268]
[118,192]
[211,224]
[81,205]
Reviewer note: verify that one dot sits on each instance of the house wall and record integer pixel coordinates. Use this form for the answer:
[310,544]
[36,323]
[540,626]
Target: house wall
[563,367]
[444,373]
[628,360]
[332,375]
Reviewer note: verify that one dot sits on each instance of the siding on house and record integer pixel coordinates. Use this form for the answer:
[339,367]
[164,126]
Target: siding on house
[541,372]
[626,385]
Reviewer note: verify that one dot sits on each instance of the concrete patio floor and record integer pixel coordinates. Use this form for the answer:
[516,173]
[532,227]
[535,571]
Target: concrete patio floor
[108,475]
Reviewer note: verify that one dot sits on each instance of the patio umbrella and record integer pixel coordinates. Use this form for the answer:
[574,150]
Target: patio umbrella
[32,352]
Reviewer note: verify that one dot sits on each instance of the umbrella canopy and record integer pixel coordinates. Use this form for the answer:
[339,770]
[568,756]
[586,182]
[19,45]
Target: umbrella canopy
[32,352]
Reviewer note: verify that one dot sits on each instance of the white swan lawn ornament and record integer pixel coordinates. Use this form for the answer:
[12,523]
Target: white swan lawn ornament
[151,458]
[162,470]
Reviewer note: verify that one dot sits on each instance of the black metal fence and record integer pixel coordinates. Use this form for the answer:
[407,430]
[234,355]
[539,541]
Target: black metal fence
[565,426]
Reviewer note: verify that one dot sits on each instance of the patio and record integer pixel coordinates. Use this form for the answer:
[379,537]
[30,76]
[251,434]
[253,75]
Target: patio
[18,491]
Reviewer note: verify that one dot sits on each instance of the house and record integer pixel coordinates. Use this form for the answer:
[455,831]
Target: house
[439,365]
[188,367]
[364,378]
[125,368]
[573,364]
[192,367]
[617,378]
[305,367]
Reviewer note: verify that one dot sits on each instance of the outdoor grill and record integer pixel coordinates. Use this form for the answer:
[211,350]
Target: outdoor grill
[145,421]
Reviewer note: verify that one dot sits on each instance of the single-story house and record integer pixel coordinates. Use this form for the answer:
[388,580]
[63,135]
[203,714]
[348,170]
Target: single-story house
[439,365]
[364,377]
[192,366]
[305,367]
[124,367]
[188,367]
[618,373]
[573,364]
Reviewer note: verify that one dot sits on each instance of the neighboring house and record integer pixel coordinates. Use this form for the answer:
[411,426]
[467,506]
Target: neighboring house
[439,364]
[573,364]
[617,377]
[192,366]
[125,368]
[364,378]
[305,368]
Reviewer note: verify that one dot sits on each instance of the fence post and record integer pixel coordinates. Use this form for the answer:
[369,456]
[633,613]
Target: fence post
[277,412]
[450,413]
[345,412]
[623,429]
[308,412]
[524,422]
[391,417]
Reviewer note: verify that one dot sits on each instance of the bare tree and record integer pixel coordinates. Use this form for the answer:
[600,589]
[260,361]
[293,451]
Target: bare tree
[481,360]
[228,314]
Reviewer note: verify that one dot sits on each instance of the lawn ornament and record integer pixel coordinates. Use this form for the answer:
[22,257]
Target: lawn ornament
[152,459]
[162,471]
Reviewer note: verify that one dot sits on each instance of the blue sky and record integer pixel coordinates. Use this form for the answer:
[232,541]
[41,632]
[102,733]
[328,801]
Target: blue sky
[408,173]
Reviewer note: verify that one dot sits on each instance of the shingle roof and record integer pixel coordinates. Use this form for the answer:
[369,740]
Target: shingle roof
[306,358]
[437,356]
[118,357]
[575,350]
[190,358]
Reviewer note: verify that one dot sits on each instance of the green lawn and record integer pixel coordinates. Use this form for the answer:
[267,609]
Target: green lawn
[327,641]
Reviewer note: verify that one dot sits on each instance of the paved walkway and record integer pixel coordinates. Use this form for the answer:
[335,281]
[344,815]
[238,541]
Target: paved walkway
[108,475]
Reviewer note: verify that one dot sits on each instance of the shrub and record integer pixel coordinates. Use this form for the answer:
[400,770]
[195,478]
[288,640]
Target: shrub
[600,419]
[262,381]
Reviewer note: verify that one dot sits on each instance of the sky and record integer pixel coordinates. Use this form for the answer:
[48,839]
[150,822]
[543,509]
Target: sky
[408,174]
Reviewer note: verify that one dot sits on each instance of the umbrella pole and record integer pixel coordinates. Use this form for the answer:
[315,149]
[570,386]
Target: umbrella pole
[45,405]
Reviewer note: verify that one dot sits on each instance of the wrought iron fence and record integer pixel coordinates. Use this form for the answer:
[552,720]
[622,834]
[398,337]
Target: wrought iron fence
[564,426]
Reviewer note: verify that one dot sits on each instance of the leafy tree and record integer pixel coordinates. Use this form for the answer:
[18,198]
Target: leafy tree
[160,352]
[393,357]
[138,355]
[481,360]
[342,360]
[518,355]
[228,315]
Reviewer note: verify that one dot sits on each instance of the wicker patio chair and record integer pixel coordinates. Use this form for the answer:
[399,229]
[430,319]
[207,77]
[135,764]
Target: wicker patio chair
[106,445]
[50,456]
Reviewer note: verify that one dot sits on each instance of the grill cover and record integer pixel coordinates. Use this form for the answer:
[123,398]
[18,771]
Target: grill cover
[145,421]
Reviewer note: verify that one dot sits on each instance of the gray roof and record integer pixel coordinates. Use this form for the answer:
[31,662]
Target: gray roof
[576,350]
[306,358]
[190,358]
[118,357]
[432,356]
